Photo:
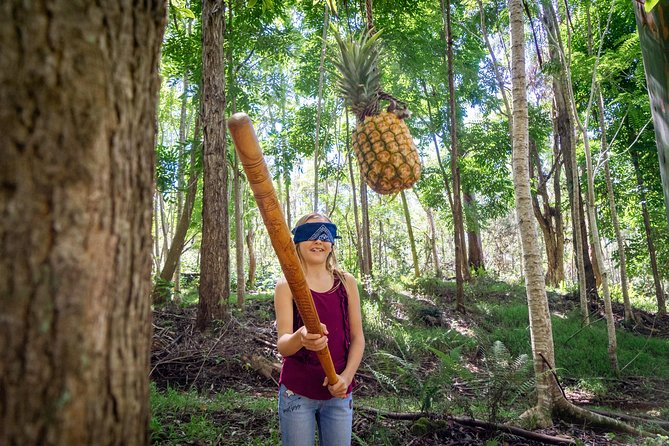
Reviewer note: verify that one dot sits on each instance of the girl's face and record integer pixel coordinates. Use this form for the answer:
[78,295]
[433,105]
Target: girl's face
[315,251]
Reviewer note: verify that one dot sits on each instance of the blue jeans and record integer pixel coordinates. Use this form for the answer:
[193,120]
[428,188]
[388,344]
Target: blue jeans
[299,416]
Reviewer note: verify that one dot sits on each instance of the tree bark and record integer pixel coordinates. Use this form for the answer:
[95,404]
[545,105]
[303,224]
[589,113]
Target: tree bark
[79,87]
[654,40]
[215,251]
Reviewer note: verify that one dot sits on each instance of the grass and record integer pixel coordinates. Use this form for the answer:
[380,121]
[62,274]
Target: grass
[579,352]
[179,417]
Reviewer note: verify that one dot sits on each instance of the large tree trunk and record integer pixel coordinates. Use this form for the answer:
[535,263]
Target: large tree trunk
[78,97]
[458,232]
[654,40]
[215,262]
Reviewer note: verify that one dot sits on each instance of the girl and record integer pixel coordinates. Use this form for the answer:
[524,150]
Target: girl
[306,398]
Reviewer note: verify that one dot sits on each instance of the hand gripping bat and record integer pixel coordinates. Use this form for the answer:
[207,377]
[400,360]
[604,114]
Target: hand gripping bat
[250,154]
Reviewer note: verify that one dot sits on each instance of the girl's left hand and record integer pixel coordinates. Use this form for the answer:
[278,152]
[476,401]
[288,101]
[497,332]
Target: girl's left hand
[340,389]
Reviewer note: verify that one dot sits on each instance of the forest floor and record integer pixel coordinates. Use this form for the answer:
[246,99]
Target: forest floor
[240,356]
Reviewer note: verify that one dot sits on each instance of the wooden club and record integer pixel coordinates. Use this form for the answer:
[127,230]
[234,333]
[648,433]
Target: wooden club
[250,154]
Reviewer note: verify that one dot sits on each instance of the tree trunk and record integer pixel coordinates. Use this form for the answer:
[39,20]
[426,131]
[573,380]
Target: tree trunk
[77,131]
[459,233]
[474,245]
[250,245]
[183,124]
[366,238]
[321,72]
[412,241]
[433,242]
[654,40]
[659,294]
[215,263]
[176,247]
[549,217]
[629,314]
[565,127]
[237,180]
[358,231]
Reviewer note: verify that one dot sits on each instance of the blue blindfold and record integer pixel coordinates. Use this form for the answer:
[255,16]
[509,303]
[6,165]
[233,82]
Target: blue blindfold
[326,232]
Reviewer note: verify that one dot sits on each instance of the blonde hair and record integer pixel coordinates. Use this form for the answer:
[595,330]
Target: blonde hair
[331,264]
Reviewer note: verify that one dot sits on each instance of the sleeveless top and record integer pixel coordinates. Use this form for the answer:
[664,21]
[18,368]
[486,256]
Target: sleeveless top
[302,372]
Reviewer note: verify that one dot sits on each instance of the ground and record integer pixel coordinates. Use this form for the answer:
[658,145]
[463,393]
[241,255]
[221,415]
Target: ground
[240,354]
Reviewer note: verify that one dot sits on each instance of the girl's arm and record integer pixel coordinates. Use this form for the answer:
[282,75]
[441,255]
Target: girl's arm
[289,342]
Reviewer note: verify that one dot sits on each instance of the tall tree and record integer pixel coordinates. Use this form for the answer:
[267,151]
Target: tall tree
[653,29]
[215,263]
[78,98]
[459,232]
[550,398]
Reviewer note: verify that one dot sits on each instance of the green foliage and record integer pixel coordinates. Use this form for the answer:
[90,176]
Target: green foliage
[505,378]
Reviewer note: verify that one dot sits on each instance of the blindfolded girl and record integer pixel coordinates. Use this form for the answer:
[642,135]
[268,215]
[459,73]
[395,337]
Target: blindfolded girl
[307,401]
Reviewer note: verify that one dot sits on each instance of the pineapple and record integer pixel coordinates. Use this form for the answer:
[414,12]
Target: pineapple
[387,156]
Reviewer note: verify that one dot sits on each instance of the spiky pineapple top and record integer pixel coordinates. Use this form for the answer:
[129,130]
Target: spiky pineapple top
[359,78]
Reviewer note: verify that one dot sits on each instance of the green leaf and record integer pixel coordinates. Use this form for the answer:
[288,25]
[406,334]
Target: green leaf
[649,5]
[251,3]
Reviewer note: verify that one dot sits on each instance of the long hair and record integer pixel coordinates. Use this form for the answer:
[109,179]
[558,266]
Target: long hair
[331,264]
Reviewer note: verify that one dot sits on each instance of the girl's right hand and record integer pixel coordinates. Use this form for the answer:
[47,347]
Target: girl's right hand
[314,341]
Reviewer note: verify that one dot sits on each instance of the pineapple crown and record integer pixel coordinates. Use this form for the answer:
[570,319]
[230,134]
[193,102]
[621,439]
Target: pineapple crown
[358,76]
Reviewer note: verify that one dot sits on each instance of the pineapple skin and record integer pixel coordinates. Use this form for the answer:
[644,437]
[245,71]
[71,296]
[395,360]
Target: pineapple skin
[386,153]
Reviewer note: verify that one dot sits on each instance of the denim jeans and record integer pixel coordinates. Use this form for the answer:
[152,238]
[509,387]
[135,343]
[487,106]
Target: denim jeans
[299,416]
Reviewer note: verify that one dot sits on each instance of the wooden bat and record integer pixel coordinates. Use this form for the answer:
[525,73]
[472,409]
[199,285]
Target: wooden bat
[250,154]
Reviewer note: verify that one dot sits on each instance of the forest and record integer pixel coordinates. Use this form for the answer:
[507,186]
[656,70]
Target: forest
[498,171]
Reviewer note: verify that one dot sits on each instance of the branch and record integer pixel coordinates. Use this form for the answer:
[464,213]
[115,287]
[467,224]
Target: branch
[466,421]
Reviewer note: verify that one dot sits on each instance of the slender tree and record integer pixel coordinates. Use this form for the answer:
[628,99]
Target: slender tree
[412,241]
[459,232]
[215,264]
[78,94]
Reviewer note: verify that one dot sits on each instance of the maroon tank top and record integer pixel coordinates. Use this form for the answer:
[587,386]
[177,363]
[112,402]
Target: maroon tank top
[302,372]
